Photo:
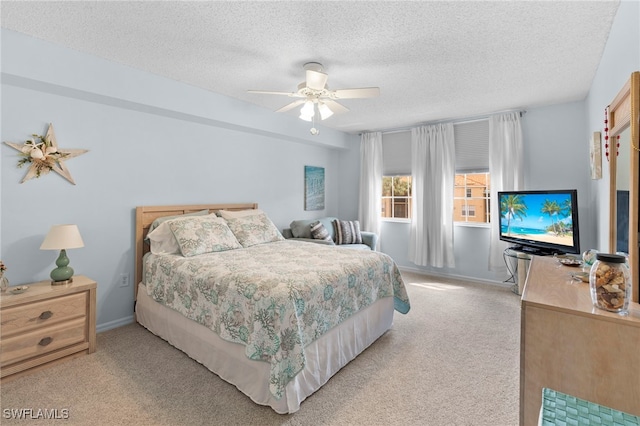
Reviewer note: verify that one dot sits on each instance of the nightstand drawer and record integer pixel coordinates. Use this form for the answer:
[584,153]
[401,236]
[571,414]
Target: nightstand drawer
[23,318]
[42,340]
[45,325]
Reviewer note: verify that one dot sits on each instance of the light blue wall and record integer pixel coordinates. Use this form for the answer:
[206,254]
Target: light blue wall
[151,141]
[621,57]
[556,156]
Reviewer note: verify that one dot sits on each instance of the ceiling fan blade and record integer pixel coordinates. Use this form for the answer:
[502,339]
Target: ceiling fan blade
[335,107]
[316,80]
[266,92]
[363,92]
[292,105]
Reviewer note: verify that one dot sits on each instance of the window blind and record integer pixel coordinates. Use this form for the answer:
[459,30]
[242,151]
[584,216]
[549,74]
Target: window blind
[472,146]
[396,153]
[472,149]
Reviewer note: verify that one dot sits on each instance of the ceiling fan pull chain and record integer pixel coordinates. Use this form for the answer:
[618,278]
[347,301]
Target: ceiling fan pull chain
[313,130]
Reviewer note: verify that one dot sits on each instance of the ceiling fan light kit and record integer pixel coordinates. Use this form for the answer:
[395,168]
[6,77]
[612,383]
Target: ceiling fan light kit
[307,111]
[324,110]
[314,92]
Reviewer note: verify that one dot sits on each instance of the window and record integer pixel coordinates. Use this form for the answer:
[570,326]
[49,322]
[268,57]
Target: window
[471,198]
[472,185]
[396,175]
[396,197]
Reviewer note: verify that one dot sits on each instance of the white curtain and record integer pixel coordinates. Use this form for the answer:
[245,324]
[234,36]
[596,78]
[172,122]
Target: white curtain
[506,170]
[370,203]
[433,175]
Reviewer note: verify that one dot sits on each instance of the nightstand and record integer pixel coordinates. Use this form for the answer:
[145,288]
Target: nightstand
[45,325]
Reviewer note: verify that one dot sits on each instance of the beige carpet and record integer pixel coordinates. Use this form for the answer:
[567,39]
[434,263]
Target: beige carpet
[453,360]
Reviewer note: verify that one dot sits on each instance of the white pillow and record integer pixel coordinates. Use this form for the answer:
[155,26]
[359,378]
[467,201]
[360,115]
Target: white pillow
[162,240]
[230,214]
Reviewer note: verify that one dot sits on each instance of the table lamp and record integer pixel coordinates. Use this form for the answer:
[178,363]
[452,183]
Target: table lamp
[62,237]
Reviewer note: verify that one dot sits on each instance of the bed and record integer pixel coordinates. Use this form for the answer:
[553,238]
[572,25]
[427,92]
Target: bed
[274,317]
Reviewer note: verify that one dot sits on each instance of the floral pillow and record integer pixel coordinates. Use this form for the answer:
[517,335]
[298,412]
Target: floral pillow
[203,234]
[255,229]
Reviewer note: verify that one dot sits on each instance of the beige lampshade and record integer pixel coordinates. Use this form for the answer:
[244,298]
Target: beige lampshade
[62,237]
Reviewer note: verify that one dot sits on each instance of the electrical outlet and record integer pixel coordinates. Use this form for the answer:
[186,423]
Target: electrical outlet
[124,280]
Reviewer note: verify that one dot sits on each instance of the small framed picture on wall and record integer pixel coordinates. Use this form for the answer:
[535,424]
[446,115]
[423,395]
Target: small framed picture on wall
[313,188]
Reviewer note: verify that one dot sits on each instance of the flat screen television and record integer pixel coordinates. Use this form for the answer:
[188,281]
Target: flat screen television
[540,222]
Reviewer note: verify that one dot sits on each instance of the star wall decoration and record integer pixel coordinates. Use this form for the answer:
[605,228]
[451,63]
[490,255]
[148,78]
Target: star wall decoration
[44,156]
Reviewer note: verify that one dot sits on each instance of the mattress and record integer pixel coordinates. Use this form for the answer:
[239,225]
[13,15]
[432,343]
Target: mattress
[290,313]
[274,298]
[324,357]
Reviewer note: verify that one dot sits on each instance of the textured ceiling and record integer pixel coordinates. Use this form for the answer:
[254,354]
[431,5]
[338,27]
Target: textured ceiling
[432,60]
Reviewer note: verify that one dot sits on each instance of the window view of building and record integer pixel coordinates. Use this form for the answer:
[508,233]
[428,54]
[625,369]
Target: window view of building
[396,197]
[470,203]
[471,198]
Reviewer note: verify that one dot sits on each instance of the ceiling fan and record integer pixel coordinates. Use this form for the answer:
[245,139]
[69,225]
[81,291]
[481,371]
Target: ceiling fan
[315,94]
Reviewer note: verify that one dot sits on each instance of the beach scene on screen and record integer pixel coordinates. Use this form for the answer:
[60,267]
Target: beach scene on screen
[537,217]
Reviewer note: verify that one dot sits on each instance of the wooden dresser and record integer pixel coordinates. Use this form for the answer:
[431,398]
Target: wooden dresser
[46,324]
[572,347]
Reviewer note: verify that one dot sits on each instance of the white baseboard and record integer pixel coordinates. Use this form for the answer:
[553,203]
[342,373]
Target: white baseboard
[454,276]
[114,324]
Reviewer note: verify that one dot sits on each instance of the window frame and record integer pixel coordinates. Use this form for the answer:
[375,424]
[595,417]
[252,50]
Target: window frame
[486,196]
[408,197]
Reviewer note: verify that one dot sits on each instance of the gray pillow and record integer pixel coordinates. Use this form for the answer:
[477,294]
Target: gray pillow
[319,232]
[302,228]
[347,231]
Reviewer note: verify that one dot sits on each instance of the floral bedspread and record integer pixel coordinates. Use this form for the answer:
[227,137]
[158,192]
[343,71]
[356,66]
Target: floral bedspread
[275,298]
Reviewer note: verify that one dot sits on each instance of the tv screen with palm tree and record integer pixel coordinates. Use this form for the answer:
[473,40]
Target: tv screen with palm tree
[540,222]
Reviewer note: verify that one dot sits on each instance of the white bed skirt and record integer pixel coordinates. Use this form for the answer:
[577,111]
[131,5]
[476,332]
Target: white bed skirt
[324,357]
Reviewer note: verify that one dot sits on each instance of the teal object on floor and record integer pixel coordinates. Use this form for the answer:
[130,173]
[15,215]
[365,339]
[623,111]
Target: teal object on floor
[561,409]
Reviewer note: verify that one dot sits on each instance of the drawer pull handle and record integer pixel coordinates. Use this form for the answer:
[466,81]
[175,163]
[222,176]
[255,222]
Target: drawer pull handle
[46,315]
[45,341]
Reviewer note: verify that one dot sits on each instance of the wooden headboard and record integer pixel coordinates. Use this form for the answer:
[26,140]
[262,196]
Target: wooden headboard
[145,215]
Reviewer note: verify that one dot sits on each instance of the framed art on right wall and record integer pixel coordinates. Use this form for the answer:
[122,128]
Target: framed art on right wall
[595,155]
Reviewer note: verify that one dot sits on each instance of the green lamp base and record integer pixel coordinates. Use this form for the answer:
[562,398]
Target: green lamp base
[63,273]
